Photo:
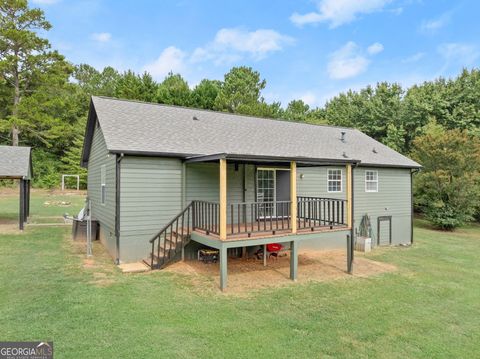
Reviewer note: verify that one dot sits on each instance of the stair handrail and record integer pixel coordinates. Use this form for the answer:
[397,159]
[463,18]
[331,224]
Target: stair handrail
[165,227]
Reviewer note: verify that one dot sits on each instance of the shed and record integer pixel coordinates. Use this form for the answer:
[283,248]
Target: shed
[16,164]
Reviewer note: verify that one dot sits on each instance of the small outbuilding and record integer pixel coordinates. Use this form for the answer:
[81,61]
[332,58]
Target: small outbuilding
[16,164]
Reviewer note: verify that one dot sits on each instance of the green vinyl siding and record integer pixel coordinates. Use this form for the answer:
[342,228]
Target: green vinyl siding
[202,183]
[314,182]
[104,213]
[392,199]
[151,196]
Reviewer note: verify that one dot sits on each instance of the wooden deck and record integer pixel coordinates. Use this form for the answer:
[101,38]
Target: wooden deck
[275,228]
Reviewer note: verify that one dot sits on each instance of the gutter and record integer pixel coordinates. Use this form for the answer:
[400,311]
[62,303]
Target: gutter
[118,160]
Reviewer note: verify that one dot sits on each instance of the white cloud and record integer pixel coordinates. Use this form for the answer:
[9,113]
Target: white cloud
[458,54]
[350,60]
[375,48]
[431,26]
[414,58]
[338,12]
[45,2]
[309,98]
[230,45]
[171,59]
[102,36]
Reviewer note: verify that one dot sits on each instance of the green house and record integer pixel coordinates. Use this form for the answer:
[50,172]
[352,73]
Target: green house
[165,181]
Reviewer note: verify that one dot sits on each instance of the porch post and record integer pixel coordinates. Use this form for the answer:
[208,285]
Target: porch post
[349,195]
[21,214]
[293,195]
[223,267]
[223,199]
[28,199]
[293,260]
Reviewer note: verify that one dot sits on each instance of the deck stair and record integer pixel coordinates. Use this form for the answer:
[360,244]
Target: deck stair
[169,242]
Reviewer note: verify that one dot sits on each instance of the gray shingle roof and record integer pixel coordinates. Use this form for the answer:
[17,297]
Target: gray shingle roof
[14,161]
[130,126]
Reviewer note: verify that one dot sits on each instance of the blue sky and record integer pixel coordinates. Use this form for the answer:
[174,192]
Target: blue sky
[304,49]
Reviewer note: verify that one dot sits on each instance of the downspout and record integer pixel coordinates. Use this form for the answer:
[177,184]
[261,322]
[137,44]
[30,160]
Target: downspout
[411,204]
[118,160]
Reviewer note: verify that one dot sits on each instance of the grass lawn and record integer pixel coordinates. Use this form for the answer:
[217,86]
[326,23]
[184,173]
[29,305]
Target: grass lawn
[429,308]
[45,206]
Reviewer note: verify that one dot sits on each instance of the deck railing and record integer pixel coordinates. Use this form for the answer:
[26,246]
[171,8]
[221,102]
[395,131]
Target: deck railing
[170,240]
[273,216]
[314,212]
[255,217]
[206,217]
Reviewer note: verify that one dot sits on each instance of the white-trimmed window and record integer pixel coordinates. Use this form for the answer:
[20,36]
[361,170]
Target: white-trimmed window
[103,184]
[371,181]
[334,181]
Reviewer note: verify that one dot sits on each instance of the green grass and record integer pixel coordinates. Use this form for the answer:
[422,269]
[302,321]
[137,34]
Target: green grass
[45,206]
[429,308]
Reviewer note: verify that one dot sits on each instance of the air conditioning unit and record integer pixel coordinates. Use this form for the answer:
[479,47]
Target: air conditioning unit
[363,244]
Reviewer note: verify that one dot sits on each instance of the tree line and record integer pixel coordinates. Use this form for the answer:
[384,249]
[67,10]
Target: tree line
[44,103]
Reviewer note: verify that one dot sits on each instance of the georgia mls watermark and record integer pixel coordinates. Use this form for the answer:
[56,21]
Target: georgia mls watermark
[26,350]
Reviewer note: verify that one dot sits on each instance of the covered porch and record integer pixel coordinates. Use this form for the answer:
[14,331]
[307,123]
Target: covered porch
[272,212]
[283,217]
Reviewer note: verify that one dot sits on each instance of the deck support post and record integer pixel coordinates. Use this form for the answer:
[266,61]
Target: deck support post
[223,199]
[349,254]
[293,195]
[264,255]
[293,260]
[223,267]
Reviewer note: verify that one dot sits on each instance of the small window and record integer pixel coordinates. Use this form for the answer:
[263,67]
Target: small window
[103,184]
[334,181]
[371,181]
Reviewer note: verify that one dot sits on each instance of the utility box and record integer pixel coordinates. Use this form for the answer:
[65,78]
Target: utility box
[79,230]
[363,244]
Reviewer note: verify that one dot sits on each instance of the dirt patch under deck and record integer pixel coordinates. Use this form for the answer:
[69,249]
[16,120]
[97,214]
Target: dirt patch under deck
[245,275]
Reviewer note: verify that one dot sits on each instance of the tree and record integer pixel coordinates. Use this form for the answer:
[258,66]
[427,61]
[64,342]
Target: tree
[93,82]
[241,88]
[174,90]
[261,109]
[297,110]
[205,94]
[71,161]
[371,110]
[26,61]
[447,190]
[134,87]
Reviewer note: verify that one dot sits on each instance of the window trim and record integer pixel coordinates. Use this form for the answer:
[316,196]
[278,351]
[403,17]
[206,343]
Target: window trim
[103,185]
[371,181]
[329,180]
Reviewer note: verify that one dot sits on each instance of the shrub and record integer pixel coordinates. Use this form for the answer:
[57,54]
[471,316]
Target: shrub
[447,190]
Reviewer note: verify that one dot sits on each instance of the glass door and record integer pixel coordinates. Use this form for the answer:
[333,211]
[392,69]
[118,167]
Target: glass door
[266,191]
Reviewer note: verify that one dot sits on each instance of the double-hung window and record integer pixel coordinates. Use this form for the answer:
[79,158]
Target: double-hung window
[103,184]
[334,181]
[371,181]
